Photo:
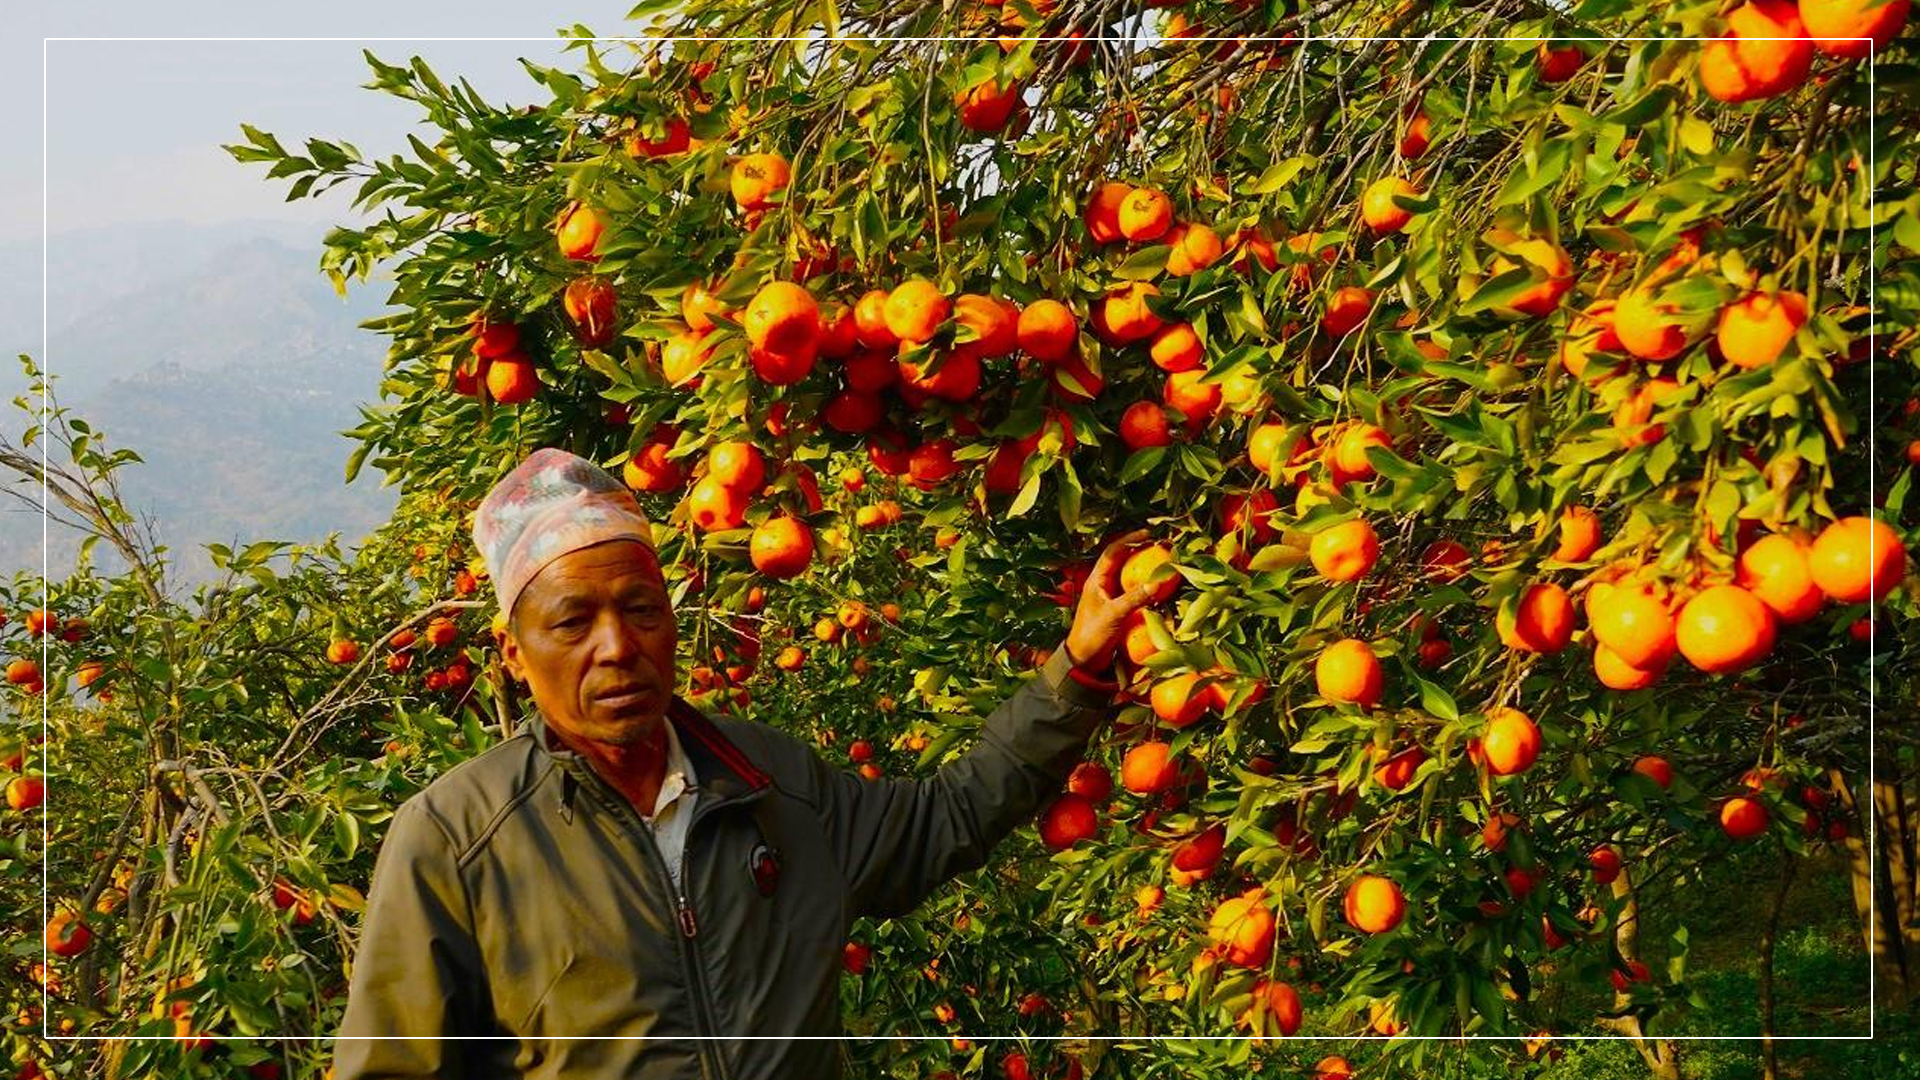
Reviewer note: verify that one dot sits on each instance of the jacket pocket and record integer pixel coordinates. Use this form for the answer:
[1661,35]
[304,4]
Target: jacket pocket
[529,1025]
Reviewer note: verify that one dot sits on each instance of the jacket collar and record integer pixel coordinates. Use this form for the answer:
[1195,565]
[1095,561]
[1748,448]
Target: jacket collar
[721,769]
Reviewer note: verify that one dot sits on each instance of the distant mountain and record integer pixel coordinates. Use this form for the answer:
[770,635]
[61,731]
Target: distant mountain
[226,360]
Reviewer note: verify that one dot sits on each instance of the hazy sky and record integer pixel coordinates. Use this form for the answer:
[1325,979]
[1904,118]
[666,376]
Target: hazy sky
[133,128]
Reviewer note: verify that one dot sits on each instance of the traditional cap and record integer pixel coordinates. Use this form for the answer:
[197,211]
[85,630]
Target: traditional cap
[552,504]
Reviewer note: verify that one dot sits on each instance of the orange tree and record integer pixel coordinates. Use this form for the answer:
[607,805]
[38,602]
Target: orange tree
[1513,393]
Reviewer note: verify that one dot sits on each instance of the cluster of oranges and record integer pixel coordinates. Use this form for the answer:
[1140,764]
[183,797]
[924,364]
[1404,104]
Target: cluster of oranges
[43,624]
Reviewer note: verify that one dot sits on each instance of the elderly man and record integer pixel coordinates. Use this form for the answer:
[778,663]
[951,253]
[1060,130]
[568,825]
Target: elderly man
[627,886]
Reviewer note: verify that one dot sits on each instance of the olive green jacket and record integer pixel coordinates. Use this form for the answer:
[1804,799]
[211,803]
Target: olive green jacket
[521,921]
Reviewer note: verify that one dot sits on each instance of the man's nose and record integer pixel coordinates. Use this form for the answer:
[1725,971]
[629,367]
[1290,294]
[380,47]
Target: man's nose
[615,640]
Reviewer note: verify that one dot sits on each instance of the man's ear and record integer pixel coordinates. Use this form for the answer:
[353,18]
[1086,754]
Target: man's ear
[510,656]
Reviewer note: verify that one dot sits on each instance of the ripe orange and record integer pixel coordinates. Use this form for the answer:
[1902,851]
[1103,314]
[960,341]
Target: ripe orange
[957,379]
[1551,259]
[1193,399]
[1345,552]
[697,303]
[1149,769]
[512,380]
[1332,1067]
[1194,248]
[342,652]
[1347,310]
[1498,826]
[1579,535]
[1413,142]
[1397,771]
[853,412]
[589,303]
[1176,702]
[1255,511]
[1755,59]
[1091,781]
[783,368]
[1542,623]
[1616,674]
[1634,625]
[1656,769]
[1775,569]
[1756,329]
[1347,456]
[1832,23]
[1631,416]
[1347,671]
[682,357]
[1068,820]
[782,317]
[993,325]
[1141,567]
[1742,818]
[1592,331]
[1378,209]
[1374,904]
[1046,330]
[677,138]
[1857,559]
[26,793]
[1145,214]
[782,547]
[578,232]
[1723,629]
[1177,348]
[1103,211]
[1267,447]
[915,309]
[1274,1010]
[1242,929]
[931,464]
[1145,424]
[1511,742]
[870,321]
[1445,561]
[1123,316]
[713,506]
[985,106]
[1648,328]
[23,672]
[1557,65]
[839,335]
[757,178]
[1249,246]
[67,935]
[737,465]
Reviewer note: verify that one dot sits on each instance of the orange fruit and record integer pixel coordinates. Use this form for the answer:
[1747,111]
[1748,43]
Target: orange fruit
[985,106]
[1751,60]
[1242,929]
[1148,769]
[697,303]
[1776,570]
[1549,258]
[1141,567]
[1332,1067]
[782,317]
[1631,416]
[957,379]
[1250,245]
[757,178]
[1267,447]
[992,324]
[1378,209]
[682,357]
[1176,702]
[1833,23]
[1656,769]
[512,380]
[1445,561]
[1347,310]
[782,547]
[67,935]
[1742,818]
[589,303]
[1348,672]
[1193,399]
[1125,316]
[1347,457]
[1374,904]
[1194,248]
[1592,331]
[1177,348]
[1145,424]
[1634,625]
[1616,674]
[1414,141]
[1103,211]
[677,138]
[1857,559]
[1274,1009]
[578,232]
[1723,629]
[1068,820]
[738,466]
[915,309]
[1145,214]
[1647,327]
[1543,622]
[1579,535]
[1558,64]
[493,340]
[713,506]
[931,464]
[25,672]
[1397,771]
[1345,552]
[1511,742]
[1255,510]
[1756,329]
[870,321]
[1046,330]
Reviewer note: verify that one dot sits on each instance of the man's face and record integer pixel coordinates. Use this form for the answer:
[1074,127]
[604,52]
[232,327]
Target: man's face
[593,637]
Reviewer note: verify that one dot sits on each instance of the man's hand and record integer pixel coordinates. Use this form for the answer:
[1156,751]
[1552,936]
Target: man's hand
[1098,618]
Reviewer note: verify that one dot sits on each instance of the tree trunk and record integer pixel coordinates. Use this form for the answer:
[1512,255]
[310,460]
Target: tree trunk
[1882,875]
[1661,1056]
[1769,1056]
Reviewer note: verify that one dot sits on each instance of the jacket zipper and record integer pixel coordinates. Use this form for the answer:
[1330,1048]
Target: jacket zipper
[711,1063]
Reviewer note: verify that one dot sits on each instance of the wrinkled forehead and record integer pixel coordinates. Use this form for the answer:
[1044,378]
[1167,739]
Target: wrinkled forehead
[618,569]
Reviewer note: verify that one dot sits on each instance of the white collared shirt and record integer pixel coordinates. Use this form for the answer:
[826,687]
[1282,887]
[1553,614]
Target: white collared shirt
[673,807]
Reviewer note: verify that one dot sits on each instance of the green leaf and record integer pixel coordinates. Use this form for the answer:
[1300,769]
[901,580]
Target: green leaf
[1551,166]
[1277,175]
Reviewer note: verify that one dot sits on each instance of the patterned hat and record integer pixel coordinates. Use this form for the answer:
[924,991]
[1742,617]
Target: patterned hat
[552,504]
